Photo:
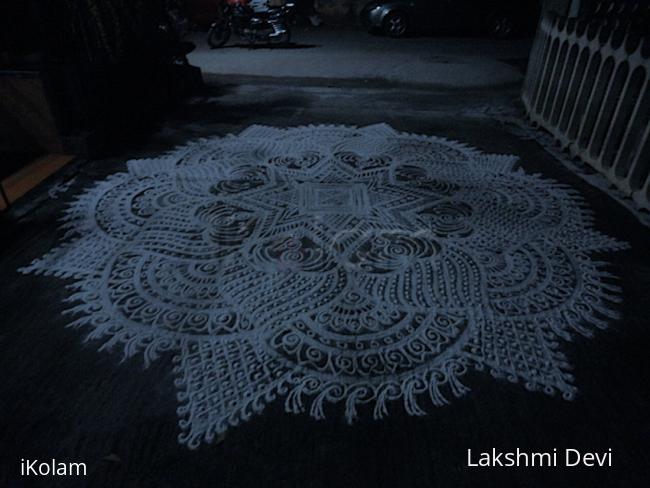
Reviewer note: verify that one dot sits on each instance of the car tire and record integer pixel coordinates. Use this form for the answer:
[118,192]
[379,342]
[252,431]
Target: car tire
[501,26]
[396,24]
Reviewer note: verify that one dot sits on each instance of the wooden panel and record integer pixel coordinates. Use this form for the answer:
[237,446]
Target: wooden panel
[23,101]
[31,175]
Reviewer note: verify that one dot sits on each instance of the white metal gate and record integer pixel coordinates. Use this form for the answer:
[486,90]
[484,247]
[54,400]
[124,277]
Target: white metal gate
[588,84]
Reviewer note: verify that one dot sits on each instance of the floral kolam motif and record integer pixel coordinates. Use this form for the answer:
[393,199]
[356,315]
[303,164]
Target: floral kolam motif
[333,264]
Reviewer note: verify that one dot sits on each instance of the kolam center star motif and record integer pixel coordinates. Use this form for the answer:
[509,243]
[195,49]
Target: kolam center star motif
[328,264]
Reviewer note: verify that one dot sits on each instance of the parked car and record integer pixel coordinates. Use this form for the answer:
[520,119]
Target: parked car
[500,19]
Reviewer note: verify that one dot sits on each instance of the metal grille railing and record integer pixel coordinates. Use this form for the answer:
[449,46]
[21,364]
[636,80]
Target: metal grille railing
[635,11]
[588,84]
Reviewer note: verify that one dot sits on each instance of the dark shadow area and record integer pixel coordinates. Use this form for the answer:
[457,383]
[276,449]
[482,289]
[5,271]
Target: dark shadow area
[85,79]
[520,63]
[291,45]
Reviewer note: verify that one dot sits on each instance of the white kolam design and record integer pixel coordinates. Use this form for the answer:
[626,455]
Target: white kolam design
[333,264]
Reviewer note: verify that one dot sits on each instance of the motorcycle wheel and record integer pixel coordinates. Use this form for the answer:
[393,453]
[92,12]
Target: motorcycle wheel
[285,39]
[219,34]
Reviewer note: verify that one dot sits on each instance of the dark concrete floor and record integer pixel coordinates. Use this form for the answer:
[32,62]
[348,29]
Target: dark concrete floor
[327,52]
[61,398]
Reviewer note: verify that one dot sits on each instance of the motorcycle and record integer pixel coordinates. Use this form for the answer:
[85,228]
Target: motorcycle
[271,27]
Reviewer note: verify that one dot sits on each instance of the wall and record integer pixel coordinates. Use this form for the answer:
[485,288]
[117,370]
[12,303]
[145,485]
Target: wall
[339,11]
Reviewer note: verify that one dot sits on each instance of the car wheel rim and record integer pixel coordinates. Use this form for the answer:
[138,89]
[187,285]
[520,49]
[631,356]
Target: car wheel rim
[502,27]
[397,26]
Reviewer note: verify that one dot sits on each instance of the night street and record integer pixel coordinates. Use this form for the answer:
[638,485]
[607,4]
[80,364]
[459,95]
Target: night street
[344,262]
[338,53]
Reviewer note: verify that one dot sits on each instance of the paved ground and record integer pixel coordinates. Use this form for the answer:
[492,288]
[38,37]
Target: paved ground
[61,398]
[349,54]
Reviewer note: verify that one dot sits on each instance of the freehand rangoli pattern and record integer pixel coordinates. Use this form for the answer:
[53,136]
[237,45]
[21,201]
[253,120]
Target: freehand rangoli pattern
[329,264]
